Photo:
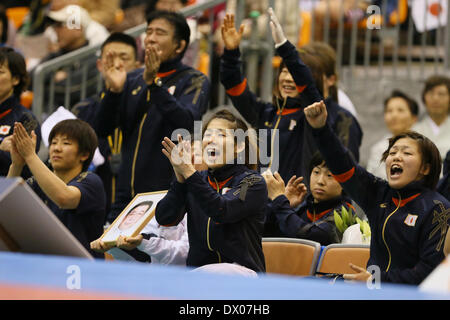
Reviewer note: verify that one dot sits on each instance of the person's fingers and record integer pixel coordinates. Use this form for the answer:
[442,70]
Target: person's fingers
[278,177]
[357,268]
[241,29]
[349,276]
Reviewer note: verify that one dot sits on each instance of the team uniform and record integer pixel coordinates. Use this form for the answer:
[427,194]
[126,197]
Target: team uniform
[295,142]
[145,115]
[225,212]
[86,221]
[12,111]
[408,225]
[312,221]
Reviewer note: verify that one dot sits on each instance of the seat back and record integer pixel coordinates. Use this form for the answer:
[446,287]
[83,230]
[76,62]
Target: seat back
[290,256]
[335,258]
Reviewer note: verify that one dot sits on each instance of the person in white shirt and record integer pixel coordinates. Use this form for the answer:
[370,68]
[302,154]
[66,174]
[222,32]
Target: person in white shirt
[400,114]
[436,124]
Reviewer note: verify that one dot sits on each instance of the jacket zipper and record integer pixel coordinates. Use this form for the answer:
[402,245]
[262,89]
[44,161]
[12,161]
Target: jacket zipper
[135,154]
[275,128]
[207,229]
[384,227]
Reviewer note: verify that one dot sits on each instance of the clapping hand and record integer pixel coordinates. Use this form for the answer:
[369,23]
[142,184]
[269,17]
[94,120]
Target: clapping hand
[275,184]
[295,191]
[24,144]
[152,63]
[114,72]
[180,156]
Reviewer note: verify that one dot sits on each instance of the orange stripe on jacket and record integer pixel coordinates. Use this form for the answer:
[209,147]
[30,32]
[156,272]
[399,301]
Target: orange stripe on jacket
[238,89]
[221,184]
[404,201]
[165,74]
[343,177]
[288,111]
[300,88]
[318,216]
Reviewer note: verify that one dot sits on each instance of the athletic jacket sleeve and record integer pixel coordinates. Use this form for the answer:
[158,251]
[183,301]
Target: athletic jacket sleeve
[236,204]
[245,101]
[171,209]
[302,75]
[363,187]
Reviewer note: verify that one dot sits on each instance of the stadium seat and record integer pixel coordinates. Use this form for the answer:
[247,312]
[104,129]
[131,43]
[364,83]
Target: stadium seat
[335,258]
[290,256]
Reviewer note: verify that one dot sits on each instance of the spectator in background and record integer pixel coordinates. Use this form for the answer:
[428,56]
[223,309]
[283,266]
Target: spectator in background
[436,123]
[74,195]
[124,47]
[312,219]
[400,114]
[74,29]
[327,55]
[149,104]
[13,81]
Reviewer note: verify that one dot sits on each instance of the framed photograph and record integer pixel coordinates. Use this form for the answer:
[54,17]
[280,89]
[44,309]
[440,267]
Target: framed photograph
[134,217]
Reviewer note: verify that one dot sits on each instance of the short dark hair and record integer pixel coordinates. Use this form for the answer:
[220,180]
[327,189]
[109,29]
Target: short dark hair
[429,152]
[179,23]
[435,81]
[412,104]
[122,38]
[81,132]
[316,160]
[17,66]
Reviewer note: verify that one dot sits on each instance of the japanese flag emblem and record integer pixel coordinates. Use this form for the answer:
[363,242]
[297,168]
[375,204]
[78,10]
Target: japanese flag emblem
[411,220]
[4,130]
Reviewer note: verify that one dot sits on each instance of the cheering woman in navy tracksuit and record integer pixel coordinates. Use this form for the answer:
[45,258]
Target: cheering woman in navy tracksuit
[408,218]
[225,205]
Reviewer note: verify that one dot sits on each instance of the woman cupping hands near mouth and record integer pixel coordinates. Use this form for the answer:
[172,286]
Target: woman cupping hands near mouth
[408,218]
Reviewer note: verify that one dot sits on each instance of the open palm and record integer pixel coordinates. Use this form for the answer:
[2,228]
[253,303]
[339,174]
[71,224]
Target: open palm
[231,37]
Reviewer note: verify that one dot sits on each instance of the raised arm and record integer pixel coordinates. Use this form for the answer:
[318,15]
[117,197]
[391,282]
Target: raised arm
[231,75]
[64,196]
[364,188]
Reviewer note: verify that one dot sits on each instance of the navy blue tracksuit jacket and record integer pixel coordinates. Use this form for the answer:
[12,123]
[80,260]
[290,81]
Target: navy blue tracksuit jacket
[408,225]
[147,114]
[225,210]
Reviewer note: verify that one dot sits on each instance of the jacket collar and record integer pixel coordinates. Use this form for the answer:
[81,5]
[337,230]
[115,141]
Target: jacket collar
[324,205]
[408,193]
[170,65]
[225,173]
[8,103]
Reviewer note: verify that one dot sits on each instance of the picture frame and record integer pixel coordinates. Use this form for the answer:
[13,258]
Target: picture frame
[136,215]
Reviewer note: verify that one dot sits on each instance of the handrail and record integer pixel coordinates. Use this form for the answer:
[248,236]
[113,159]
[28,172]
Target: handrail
[43,69]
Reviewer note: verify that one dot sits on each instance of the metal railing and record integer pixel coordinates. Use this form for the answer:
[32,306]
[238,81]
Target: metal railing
[387,50]
[43,77]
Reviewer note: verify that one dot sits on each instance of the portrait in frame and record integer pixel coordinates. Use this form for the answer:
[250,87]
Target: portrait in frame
[134,217]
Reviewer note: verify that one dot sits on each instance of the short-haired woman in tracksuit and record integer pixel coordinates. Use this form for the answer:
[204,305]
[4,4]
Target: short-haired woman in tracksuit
[408,218]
